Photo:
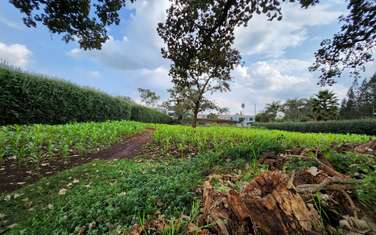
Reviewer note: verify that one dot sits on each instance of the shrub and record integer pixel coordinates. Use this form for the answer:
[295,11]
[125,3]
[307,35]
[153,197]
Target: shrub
[28,98]
[362,126]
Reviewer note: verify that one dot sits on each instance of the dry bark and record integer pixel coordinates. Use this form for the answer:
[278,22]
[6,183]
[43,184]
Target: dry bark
[267,205]
[274,208]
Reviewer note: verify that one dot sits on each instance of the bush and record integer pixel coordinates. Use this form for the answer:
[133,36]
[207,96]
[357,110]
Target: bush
[27,98]
[363,126]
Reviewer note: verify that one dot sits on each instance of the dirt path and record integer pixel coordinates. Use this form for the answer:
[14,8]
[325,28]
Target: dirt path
[14,175]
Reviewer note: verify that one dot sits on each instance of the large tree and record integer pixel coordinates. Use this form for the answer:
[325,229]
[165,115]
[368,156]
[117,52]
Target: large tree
[198,38]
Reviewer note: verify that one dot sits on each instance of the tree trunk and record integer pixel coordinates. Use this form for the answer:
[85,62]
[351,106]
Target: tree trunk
[194,120]
[195,113]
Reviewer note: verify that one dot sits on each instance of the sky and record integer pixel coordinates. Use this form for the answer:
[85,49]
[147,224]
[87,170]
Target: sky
[275,55]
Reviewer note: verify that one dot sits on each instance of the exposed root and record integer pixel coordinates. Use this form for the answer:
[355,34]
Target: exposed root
[328,169]
[332,183]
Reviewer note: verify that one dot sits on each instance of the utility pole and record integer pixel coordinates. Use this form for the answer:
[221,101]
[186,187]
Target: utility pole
[255,111]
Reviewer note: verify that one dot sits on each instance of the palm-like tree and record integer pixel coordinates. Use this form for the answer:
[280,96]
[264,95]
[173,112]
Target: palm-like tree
[325,106]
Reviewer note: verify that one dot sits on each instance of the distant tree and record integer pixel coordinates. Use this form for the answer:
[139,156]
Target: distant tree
[84,20]
[372,90]
[270,113]
[367,97]
[177,106]
[148,97]
[296,110]
[325,106]
[212,116]
[223,110]
[360,101]
[349,107]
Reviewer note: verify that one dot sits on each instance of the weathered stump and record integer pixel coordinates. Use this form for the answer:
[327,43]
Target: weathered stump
[275,207]
[267,205]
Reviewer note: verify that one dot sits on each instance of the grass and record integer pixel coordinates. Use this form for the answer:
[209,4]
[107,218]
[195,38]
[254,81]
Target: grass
[108,197]
[111,195]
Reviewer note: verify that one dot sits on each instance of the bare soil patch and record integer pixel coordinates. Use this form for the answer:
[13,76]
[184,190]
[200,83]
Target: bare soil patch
[14,174]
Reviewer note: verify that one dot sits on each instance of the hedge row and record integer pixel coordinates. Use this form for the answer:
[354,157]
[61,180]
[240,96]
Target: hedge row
[361,126]
[27,98]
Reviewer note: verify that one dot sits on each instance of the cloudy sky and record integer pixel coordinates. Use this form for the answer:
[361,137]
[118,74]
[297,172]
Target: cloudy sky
[275,54]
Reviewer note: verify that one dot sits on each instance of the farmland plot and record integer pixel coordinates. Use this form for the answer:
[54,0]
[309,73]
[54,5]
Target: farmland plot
[205,180]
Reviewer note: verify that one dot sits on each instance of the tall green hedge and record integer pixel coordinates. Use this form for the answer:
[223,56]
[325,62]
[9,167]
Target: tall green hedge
[361,126]
[27,98]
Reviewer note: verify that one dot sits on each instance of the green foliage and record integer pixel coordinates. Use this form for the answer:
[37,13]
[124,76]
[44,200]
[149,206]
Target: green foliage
[360,101]
[150,98]
[270,113]
[110,195]
[355,165]
[26,98]
[234,141]
[84,21]
[297,110]
[362,126]
[324,106]
[366,190]
[38,141]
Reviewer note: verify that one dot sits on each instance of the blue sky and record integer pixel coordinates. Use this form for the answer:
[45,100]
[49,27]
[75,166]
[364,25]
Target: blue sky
[275,54]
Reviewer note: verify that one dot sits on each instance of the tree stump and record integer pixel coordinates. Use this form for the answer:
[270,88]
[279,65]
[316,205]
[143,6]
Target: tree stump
[274,206]
[267,205]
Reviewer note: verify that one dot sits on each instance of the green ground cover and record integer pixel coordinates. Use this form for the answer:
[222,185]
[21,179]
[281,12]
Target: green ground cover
[110,196]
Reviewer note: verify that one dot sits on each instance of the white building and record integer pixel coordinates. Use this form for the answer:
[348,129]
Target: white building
[239,119]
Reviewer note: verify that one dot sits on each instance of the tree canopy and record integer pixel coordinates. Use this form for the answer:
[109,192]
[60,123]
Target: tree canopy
[352,47]
[86,21]
[360,101]
[325,106]
[198,37]
[83,20]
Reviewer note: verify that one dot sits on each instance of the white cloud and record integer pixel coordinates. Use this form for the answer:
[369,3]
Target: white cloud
[265,81]
[137,53]
[140,47]
[15,54]
[272,38]
[157,78]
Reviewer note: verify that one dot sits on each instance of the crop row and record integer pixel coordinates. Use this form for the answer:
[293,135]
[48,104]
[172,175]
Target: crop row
[43,141]
[222,138]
